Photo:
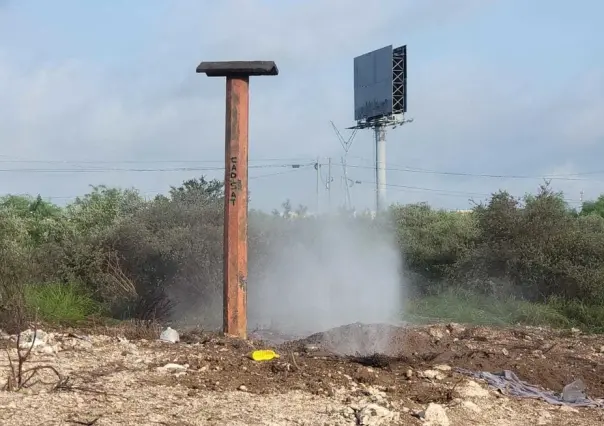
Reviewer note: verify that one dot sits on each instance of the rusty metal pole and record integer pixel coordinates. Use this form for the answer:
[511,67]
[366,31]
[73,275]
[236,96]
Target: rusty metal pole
[236,185]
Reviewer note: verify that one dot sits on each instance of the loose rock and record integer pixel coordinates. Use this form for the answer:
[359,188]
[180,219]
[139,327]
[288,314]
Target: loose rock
[471,389]
[545,418]
[471,406]
[455,328]
[442,367]
[375,415]
[172,367]
[568,409]
[436,333]
[435,415]
[33,338]
[432,375]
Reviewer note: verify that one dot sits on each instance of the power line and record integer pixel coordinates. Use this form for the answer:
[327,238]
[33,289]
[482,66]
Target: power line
[280,173]
[483,175]
[419,188]
[20,161]
[392,167]
[294,170]
[438,190]
[140,170]
[448,192]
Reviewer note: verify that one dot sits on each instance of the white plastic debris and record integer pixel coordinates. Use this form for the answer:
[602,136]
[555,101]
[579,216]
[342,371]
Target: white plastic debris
[169,335]
[574,391]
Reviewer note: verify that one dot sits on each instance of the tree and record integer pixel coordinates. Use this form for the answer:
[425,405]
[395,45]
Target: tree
[287,208]
[26,206]
[102,206]
[302,210]
[593,207]
[198,190]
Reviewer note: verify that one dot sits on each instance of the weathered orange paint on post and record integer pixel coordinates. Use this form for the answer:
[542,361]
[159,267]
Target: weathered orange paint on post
[236,185]
[235,206]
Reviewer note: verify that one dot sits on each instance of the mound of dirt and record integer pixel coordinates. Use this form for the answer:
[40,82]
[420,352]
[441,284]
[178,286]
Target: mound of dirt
[362,340]
[539,356]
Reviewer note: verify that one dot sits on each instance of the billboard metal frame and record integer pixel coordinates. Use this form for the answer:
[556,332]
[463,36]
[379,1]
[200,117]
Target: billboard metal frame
[380,83]
[399,80]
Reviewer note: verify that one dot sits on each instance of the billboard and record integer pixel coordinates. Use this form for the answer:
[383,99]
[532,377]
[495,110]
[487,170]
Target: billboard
[373,84]
[380,83]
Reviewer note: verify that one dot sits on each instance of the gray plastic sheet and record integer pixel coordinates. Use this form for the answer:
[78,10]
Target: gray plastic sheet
[509,384]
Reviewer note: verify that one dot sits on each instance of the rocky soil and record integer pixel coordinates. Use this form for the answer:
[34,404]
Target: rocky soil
[125,376]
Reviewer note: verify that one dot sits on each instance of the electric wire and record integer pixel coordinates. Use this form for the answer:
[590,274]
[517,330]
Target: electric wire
[293,170]
[567,177]
[295,167]
[20,160]
[390,167]
[141,170]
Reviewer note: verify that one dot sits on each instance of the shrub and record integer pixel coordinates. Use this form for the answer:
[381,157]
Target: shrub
[540,259]
[433,242]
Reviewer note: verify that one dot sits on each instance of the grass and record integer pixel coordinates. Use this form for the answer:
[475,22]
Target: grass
[587,317]
[463,307]
[59,302]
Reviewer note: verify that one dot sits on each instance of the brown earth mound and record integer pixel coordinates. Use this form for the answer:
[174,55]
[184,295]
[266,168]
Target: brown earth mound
[539,356]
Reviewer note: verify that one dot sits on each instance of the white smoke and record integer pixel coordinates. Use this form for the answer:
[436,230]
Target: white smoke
[327,273]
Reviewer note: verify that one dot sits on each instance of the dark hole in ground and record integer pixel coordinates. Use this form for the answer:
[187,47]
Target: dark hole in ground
[375,360]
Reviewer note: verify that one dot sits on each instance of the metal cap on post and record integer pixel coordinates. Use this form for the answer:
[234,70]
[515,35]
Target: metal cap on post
[237,75]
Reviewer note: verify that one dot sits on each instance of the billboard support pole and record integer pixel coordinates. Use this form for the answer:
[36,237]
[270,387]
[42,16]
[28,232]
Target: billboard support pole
[380,101]
[380,167]
[235,269]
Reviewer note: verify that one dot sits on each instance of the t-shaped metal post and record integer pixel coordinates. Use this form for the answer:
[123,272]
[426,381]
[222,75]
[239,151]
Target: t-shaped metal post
[237,75]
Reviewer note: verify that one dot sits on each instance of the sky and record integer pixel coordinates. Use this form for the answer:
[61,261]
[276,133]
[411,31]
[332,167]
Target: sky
[503,93]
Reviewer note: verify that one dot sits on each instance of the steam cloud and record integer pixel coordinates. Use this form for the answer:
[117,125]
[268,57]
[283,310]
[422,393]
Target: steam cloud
[328,273]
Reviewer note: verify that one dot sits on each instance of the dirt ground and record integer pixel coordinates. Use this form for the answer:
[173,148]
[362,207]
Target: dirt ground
[125,376]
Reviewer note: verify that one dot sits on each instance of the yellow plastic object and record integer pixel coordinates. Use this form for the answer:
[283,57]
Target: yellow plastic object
[264,355]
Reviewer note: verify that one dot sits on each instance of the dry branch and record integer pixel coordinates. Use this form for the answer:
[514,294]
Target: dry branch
[121,284]
[20,377]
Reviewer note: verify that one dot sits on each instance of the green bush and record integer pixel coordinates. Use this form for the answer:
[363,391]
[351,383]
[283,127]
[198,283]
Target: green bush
[433,242]
[531,260]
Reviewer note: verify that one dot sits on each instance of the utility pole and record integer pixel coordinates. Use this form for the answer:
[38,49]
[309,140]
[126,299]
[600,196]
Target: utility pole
[318,169]
[347,200]
[329,178]
[235,268]
[346,144]
[380,168]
